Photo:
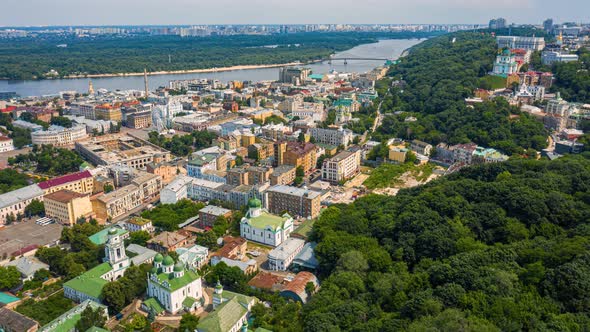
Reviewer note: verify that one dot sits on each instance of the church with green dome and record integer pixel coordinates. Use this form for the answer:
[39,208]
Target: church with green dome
[260,226]
[172,287]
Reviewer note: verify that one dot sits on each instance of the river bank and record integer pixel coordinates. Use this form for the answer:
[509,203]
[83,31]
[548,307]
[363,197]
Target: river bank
[387,49]
[193,71]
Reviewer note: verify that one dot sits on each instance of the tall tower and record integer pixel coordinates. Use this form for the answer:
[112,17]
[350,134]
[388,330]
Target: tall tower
[90,88]
[145,82]
[115,253]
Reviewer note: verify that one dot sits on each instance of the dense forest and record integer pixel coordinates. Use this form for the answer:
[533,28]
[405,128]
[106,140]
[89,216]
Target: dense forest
[572,79]
[432,84]
[30,58]
[495,247]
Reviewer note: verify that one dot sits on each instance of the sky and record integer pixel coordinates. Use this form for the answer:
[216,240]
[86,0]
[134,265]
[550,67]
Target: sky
[178,12]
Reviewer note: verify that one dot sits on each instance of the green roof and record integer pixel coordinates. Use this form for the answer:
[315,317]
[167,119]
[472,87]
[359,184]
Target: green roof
[175,283]
[224,317]
[139,221]
[343,102]
[154,304]
[266,219]
[96,329]
[261,329]
[201,160]
[90,282]
[254,203]
[67,321]
[102,236]
[168,261]
[188,302]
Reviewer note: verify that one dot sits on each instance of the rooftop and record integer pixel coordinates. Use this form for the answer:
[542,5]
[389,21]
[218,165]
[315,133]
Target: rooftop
[63,196]
[176,283]
[286,249]
[19,195]
[67,321]
[102,236]
[214,210]
[91,282]
[168,239]
[293,191]
[266,219]
[64,179]
[15,321]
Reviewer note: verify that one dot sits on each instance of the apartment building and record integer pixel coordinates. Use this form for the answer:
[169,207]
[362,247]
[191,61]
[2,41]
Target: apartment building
[296,201]
[300,154]
[139,120]
[14,203]
[59,136]
[332,136]
[81,182]
[284,174]
[342,166]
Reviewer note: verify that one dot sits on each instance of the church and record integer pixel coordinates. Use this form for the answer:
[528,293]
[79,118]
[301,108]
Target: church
[89,285]
[172,287]
[261,226]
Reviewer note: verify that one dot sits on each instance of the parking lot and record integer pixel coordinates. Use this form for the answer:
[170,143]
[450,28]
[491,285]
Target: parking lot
[17,236]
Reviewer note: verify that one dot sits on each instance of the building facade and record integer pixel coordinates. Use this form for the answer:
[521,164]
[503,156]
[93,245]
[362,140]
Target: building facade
[260,226]
[342,166]
[66,206]
[296,201]
[59,136]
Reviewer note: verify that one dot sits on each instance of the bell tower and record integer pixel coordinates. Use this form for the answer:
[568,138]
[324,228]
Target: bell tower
[115,251]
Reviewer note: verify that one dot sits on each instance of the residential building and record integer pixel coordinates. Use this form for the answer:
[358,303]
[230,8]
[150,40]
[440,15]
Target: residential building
[139,120]
[261,151]
[12,321]
[108,112]
[14,202]
[342,166]
[176,190]
[550,57]
[346,105]
[233,254]
[284,174]
[27,266]
[210,213]
[231,312]
[194,257]
[336,137]
[169,241]
[86,110]
[137,224]
[32,127]
[527,43]
[297,289]
[420,147]
[281,257]
[89,285]
[260,226]
[463,153]
[497,23]
[66,207]
[168,170]
[172,287]
[81,182]
[296,76]
[6,144]
[59,136]
[300,154]
[296,201]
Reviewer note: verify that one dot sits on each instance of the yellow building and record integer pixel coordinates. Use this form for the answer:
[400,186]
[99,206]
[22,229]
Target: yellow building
[108,112]
[67,206]
[247,140]
[398,154]
[81,182]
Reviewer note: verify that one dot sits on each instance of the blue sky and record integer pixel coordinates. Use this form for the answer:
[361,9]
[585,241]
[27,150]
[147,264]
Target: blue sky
[132,12]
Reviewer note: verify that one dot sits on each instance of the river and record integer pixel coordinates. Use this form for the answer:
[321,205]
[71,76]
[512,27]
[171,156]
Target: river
[390,49]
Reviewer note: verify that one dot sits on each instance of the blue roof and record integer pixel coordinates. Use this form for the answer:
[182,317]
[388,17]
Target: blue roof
[7,298]
[102,236]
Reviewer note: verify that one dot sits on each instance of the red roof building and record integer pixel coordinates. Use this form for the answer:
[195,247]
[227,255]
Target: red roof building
[80,182]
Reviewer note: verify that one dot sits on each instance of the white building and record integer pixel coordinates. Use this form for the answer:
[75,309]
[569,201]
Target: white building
[59,136]
[6,144]
[173,286]
[176,190]
[137,224]
[335,137]
[527,43]
[194,257]
[14,202]
[550,57]
[342,166]
[281,257]
[260,226]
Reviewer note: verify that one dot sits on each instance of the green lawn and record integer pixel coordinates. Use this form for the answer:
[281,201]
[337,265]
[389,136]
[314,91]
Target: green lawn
[495,82]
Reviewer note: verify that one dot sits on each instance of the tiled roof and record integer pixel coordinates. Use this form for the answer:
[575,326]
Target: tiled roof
[225,316]
[13,321]
[64,179]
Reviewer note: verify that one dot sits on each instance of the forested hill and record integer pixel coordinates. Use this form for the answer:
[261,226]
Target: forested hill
[496,247]
[439,74]
[29,58]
